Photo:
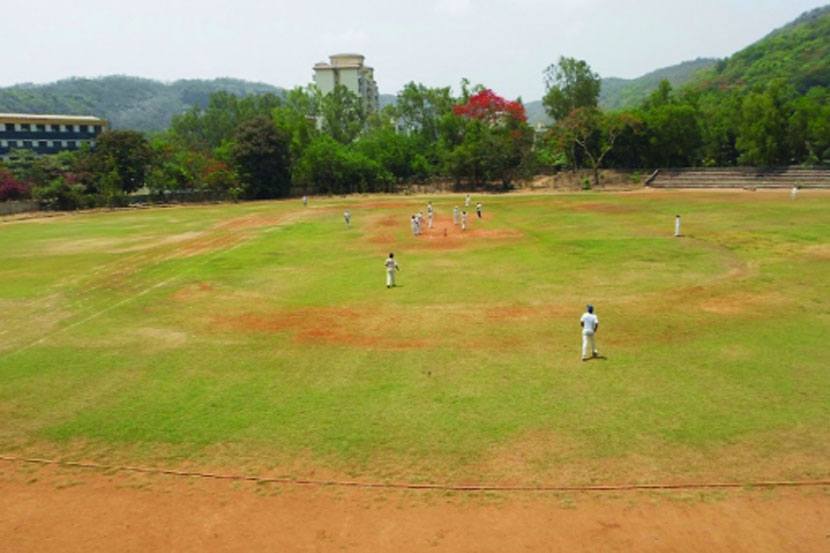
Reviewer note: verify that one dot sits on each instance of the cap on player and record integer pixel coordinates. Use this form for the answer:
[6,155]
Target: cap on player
[590,308]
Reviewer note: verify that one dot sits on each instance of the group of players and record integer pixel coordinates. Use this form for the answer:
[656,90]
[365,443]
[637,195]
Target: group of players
[589,321]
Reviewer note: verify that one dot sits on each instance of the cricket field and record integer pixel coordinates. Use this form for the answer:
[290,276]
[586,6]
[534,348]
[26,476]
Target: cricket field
[260,338]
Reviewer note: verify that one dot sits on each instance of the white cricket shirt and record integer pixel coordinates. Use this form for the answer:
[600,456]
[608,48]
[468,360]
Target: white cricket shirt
[589,323]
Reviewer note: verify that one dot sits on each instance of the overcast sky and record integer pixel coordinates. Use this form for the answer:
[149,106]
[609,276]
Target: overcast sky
[504,45]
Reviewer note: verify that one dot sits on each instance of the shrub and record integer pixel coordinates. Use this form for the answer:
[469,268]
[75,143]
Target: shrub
[11,188]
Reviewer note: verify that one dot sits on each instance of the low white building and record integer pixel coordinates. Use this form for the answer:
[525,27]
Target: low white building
[348,70]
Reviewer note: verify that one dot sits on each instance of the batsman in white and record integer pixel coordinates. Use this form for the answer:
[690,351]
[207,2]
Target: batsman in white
[413,222]
[455,215]
[590,324]
[391,267]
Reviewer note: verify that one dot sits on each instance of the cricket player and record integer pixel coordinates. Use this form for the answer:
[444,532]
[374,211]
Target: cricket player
[467,201]
[590,324]
[676,226]
[429,215]
[478,209]
[414,224]
[464,220]
[348,217]
[391,267]
[455,215]
[794,191]
[305,201]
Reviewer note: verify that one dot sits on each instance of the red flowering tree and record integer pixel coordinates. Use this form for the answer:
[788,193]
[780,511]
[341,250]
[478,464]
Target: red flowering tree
[11,188]
[495,140]
[489,107]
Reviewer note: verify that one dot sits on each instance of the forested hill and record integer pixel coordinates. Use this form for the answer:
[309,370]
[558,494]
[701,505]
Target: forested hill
[628,93]
[799,53]
[127,102]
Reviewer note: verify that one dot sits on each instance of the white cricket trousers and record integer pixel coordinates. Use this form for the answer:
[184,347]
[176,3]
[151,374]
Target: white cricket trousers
[390,277]
[586,340]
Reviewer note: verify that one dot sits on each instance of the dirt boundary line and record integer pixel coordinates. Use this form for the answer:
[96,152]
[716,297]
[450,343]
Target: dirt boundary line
[415,486]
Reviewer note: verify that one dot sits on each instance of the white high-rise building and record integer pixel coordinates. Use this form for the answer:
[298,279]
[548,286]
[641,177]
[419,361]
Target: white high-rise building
[348,70]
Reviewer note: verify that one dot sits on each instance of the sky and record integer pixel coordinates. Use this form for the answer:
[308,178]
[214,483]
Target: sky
[504,45]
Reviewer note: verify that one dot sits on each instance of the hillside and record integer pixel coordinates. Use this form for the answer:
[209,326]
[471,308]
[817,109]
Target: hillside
[628,93]
[799,52]
[127,102]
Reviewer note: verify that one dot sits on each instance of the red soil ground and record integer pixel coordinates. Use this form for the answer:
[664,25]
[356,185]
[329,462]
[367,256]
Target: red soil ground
[61,510]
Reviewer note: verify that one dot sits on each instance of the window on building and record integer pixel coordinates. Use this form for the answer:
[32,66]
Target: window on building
[71,144]
[55,128]
[25,127]
[12,143]
[41,144]
[84,128]
[41,128]
[27,143]
[9,127]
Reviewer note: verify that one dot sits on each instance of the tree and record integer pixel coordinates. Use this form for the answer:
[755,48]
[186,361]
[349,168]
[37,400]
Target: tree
[262,157]
[570,85]
[595,133]
[762,131]
[297,115]
[495,139]
[127,154]
[328,166]
[343,114]
[675,135]
[419,109]
[206,129]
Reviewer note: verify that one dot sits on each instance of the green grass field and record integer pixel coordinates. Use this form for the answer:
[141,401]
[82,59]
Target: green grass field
[261,337]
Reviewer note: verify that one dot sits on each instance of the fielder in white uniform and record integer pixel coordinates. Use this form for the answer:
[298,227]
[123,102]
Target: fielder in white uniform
[467,201]
[590,324]
[463,220]
[391,267]
[478,209]
[677,225]
[429,215]
[794,192]
[305,201]
[455,215]
[413,222]
[348,217]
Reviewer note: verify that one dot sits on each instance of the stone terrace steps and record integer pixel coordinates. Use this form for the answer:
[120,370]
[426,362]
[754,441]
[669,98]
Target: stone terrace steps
[743,177]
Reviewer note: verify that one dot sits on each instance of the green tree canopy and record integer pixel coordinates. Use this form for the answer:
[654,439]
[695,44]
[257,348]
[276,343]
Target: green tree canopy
[570,85]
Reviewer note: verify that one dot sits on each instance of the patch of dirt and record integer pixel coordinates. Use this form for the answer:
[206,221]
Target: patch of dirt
[443,236]
[70,511]
[739,303]
[324,325]
[818,251]
[193,291]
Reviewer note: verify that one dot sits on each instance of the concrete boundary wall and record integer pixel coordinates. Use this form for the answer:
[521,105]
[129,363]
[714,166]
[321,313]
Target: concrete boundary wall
[10,208]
